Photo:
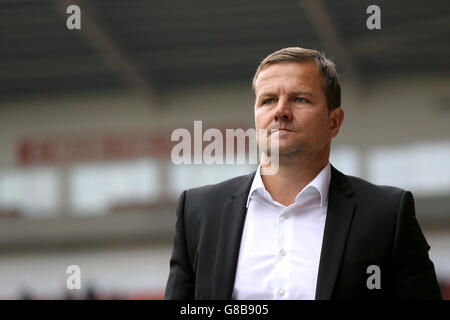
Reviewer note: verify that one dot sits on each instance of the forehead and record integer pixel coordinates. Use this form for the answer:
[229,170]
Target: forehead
[290,75]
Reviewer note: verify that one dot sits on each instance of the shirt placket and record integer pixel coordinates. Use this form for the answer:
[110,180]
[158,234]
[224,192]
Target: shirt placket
[282,267]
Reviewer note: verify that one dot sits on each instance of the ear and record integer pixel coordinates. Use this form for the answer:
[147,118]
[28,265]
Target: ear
[336,117]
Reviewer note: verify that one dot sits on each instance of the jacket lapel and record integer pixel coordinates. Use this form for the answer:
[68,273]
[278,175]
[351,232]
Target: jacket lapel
[341,207]
[231,227]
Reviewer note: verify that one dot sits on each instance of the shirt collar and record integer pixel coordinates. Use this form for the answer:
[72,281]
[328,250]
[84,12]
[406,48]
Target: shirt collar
[321,183]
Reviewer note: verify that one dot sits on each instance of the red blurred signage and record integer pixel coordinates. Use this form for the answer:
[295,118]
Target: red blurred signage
[99,147]
[66,148]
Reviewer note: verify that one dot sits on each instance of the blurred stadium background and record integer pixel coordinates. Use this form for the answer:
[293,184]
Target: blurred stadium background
[86,117]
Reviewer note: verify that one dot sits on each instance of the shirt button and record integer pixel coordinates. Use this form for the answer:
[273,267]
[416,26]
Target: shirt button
[281,292]
[285,215]
[282,252]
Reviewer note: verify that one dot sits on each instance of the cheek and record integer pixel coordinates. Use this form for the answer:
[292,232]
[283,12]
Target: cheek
[317,125]
[261,119]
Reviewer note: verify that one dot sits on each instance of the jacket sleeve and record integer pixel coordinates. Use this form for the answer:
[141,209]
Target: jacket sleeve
[413,272]
[181,281]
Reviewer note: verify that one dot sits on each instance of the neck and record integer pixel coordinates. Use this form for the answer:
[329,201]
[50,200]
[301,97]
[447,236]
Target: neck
[292,177]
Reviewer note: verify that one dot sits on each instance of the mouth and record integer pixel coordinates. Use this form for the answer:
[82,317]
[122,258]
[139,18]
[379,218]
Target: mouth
[280,129]
[281,133]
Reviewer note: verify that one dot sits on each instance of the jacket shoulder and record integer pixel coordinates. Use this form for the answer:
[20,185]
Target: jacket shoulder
[383,199]
[218,192]
[226,185]
[361,185]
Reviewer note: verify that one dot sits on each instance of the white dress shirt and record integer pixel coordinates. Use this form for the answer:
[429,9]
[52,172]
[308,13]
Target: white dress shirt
[280,246]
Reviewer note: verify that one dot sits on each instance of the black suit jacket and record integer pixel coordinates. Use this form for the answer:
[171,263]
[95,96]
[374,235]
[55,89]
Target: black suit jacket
[365,225]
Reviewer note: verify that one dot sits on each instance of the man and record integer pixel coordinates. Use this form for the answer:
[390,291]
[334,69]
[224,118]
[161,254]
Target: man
[307,231]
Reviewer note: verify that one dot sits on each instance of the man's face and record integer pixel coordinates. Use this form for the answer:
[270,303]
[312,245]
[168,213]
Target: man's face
[290,98]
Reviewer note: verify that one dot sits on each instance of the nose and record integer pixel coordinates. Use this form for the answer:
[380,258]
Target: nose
[283,111]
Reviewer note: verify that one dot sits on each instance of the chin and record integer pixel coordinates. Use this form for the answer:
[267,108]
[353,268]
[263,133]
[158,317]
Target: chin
[287,150]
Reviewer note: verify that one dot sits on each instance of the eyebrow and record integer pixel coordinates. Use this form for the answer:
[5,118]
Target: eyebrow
[295,93]
[301,93]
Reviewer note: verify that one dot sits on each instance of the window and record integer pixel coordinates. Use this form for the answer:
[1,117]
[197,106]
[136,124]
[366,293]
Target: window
[183,177]
[32,192]
[96,188]
[423,168]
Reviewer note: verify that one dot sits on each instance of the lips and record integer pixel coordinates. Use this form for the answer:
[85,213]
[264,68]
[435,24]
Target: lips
[281,129]
[280,132]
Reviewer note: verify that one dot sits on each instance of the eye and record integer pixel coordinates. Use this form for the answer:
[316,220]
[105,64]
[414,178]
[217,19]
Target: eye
[267,101]
[300,99]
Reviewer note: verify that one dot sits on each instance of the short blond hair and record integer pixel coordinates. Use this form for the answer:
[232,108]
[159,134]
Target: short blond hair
[331,84]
